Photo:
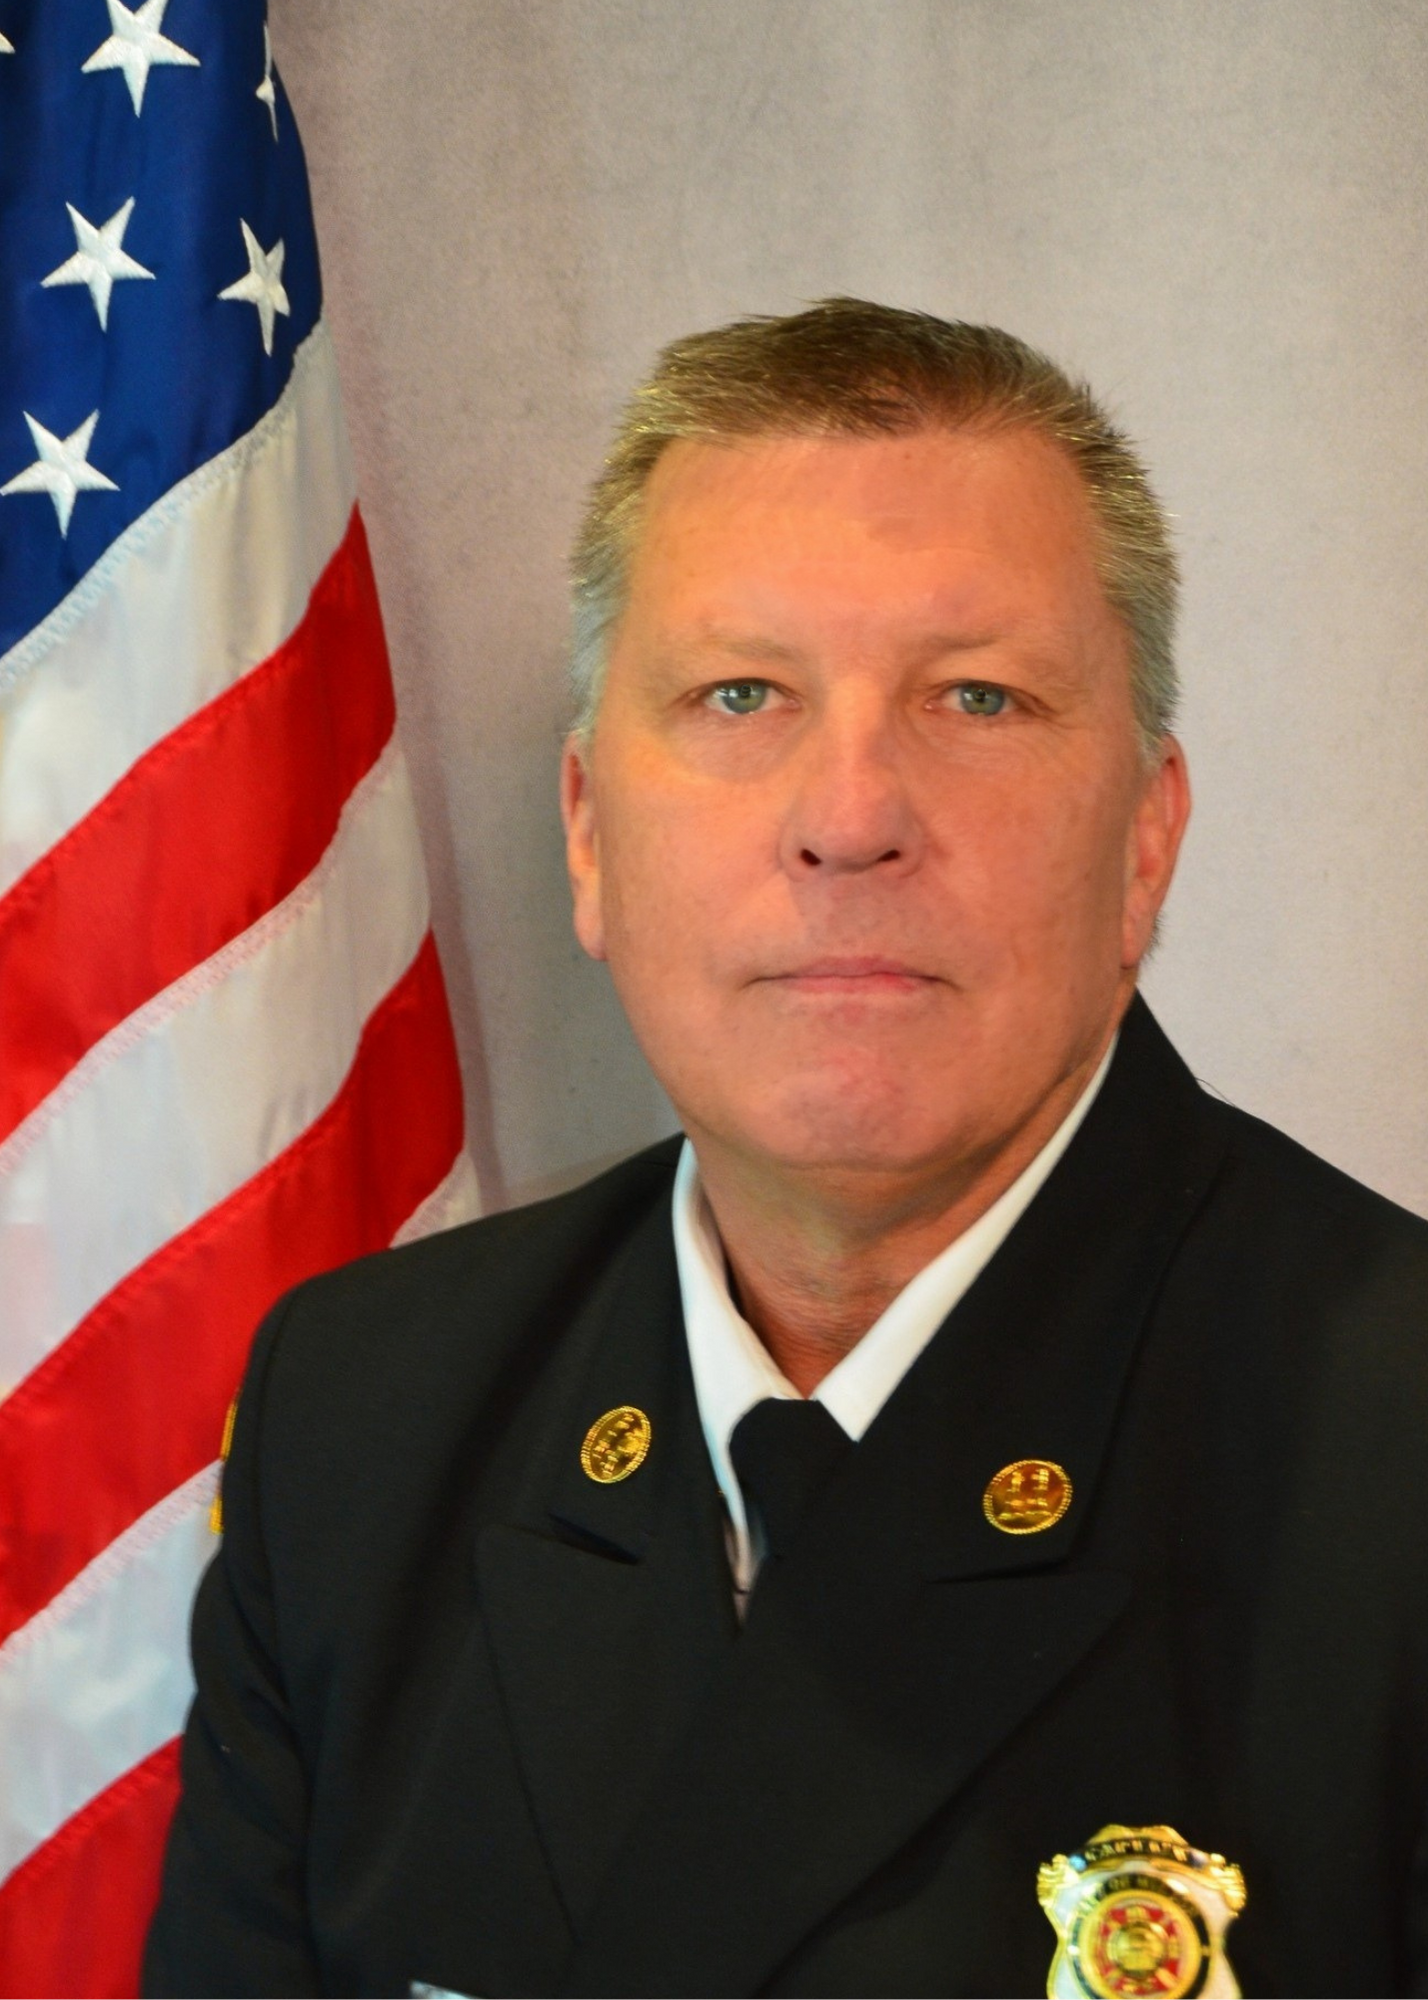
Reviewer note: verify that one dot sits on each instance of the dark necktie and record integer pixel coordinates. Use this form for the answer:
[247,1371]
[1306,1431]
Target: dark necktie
[784,1453]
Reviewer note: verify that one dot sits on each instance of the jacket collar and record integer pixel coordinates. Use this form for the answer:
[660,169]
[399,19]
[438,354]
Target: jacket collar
[1035,1360]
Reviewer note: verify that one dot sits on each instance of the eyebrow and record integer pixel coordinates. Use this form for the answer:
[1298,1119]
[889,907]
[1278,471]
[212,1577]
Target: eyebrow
[760,650]
[738,646]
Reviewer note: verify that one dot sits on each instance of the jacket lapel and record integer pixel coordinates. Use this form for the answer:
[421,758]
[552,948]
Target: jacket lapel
[905,1636]
[608,1607]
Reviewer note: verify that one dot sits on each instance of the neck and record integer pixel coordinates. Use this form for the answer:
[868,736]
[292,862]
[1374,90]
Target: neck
[817,1256]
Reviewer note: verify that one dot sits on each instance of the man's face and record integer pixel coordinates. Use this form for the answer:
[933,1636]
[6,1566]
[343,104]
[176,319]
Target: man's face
[864,831]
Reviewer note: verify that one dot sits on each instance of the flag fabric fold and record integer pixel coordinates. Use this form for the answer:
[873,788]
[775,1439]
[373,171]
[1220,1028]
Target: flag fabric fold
[226,1058]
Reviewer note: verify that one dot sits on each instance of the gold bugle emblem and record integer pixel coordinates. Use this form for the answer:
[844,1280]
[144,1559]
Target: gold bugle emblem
[615,1445]
[1139,1911]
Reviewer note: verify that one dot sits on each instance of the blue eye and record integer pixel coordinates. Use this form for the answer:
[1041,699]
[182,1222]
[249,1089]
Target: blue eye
[978,698]
[740,697]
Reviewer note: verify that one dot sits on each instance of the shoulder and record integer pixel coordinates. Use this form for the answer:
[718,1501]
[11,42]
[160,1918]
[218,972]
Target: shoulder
[1300,1277]
[503,1256]
[430,1327]
[1290,1194]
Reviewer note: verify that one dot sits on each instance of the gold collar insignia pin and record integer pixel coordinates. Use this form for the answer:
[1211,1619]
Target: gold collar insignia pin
[616,1445]
[1026,1496]
[1138,1911]
[215,1512]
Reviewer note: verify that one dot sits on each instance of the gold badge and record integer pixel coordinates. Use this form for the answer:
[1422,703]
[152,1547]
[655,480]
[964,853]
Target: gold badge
[616,1446]
[1027,1496]
[1138,1911]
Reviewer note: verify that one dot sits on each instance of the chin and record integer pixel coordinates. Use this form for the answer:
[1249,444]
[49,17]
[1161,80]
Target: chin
[871,1124]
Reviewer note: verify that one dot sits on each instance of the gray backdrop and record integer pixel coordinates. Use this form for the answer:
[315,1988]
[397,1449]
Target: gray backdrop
[1214,209]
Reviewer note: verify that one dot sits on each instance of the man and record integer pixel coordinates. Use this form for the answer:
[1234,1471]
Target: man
[744,1573]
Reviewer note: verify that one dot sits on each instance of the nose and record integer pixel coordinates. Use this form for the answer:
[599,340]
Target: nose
[850,811]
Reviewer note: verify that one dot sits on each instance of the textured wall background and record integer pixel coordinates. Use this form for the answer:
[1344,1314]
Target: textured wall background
[1217,209]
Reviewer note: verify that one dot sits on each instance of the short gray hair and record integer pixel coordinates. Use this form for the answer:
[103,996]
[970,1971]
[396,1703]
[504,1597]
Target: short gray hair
[848,368]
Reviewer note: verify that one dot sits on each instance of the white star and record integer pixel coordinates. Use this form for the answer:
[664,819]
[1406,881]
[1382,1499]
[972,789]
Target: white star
[263,285]
[100,258]
[135,45]
[61,470]
[7,47]
[265,91]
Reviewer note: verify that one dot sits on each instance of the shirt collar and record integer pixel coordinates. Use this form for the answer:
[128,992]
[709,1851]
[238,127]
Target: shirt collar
[733,1369]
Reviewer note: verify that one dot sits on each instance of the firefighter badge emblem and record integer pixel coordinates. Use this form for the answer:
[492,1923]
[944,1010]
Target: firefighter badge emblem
[1139,1911]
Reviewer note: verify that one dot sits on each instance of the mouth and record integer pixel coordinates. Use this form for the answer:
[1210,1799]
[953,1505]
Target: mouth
[855,977]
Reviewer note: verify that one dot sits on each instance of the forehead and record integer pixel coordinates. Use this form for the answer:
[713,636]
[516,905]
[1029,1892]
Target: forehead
[978,525]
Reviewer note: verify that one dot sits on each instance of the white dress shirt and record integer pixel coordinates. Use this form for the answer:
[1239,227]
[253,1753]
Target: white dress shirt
[733,1369]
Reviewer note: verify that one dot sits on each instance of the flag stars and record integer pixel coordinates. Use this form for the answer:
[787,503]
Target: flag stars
[61,469]
[266,93]
[262,285]
[7,47]
[100,258]
[135,45]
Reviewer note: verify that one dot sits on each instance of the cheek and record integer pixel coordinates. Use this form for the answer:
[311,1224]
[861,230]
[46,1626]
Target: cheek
[661,869]
[1043,865]
[680,850]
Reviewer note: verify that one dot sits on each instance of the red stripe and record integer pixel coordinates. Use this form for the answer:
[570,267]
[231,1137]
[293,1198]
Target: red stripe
[133,1402]
[73,1916]
[201,837]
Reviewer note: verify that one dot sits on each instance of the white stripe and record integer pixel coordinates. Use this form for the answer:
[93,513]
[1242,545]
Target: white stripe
[455,1199]
[190,1097]
[101,1677]
[192,596]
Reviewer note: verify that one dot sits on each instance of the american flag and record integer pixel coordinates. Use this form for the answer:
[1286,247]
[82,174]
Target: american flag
[226,1060]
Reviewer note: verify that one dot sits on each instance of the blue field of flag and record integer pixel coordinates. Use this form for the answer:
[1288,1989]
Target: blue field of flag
[157,267]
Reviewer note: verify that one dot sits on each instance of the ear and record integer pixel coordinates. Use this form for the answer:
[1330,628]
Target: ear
[582,845]
[1152,844]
